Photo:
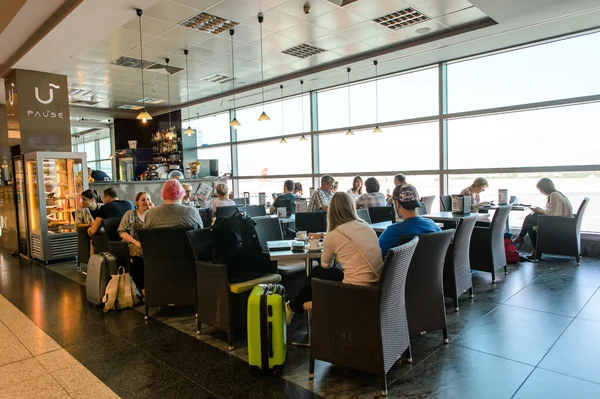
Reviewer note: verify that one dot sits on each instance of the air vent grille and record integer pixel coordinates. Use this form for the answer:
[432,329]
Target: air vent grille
[79,92]
[129,106]
[129,62]
[209,23]
[303,51]
[402,19]
[216,78]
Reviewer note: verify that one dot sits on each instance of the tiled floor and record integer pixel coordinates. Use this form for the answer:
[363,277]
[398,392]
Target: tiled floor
[533,334]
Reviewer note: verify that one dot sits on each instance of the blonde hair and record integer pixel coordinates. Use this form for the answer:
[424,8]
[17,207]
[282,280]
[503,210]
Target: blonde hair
[222,189]
[186,186]
[342,209]
[480,182]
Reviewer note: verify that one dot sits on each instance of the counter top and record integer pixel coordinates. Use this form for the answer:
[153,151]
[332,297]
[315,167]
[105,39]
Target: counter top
[109,183]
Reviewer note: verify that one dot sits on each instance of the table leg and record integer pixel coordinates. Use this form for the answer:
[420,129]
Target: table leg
[308,264]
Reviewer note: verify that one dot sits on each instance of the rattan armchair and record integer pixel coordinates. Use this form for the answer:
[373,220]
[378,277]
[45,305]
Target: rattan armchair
[364,328]
[487,244]
[560,235]
[457,268]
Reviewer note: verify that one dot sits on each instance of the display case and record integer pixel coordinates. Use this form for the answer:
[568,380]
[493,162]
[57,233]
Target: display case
[54,182]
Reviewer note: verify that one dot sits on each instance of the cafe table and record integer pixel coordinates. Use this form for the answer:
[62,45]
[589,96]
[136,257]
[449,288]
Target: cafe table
[445,217]
[379,227]
[305,255]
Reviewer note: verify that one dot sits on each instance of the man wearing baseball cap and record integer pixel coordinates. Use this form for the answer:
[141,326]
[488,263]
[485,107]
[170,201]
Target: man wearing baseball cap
[406,202]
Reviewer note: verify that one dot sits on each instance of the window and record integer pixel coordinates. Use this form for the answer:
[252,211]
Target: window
[544,137]
[213,129]
[104,147]
[251,128]
[575,185]
[90,149]
[221,153]
[270,187]
[406,96]
[98,148]
[105,166]
[408,147]
[269,158]
[562,69]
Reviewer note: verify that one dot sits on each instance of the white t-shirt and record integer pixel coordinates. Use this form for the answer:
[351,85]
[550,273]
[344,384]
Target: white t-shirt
[219,202]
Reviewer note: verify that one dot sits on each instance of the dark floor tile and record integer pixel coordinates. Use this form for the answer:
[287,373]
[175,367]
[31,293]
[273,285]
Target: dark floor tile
[199,359]
[165,347]
[585,274]
[227,379]
[591,311]
[149,330]
[456,372]
[577,352]
[515,333]
[185,389]
[105,367]
[68,334]
[546,384]
[554,297]
[275,388]
[95,349]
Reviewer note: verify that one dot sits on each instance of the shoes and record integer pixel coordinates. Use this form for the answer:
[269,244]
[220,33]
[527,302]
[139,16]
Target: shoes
[289,313]
[518,240]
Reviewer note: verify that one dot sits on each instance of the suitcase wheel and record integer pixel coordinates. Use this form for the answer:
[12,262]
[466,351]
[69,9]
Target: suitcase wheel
[255,371]
[277,371]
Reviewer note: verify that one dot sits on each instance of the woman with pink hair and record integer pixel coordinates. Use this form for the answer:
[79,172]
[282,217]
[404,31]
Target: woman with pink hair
[172,213]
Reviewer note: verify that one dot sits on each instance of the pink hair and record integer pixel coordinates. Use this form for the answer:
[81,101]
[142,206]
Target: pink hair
[172,190]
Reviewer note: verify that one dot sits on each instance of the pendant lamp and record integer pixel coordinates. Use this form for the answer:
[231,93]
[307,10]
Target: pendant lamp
[263,116]
[377,129]
[283,140]
[170,135]
[143,115]
[303,138]
[234,122]
[189,131]
[349,132]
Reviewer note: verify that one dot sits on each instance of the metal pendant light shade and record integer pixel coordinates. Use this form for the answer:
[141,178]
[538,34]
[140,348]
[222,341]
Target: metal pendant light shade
[263,117]
[170,135]
[143,115]
[189,131]
[283,141]
[303,138]
[349,132]
[377,129]
[234,122]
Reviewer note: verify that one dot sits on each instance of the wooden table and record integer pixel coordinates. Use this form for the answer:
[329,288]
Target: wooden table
[307,256]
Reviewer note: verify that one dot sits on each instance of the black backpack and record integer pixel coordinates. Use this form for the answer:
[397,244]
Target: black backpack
[235,243]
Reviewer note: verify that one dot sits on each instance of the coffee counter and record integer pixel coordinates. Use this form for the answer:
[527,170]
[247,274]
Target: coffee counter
[127,190]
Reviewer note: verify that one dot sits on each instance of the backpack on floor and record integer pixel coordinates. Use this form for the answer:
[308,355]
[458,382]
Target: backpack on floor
[512,255]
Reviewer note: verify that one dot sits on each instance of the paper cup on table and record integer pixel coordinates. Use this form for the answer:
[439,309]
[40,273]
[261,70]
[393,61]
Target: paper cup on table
[314,245]
[282,211]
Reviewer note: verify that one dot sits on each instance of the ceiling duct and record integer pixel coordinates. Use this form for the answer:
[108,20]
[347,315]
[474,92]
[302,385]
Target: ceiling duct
[402,19]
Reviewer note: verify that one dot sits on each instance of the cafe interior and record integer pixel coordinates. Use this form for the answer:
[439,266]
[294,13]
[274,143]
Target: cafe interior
[231,100]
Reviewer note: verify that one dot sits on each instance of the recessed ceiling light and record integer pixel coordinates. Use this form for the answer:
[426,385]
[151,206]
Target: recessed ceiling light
[422,31]
[206,22]
[402,19]
[241,83]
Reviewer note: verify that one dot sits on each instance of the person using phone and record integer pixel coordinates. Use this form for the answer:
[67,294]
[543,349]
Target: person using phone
[479,185]
[557,204]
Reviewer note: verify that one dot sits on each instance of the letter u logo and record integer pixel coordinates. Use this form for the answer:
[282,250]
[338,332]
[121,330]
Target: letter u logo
[11,94]
[37,94]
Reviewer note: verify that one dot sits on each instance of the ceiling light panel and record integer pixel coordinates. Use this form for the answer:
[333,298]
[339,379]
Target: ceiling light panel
[209,23]
[216,78]
[129,106]
[129,62]
[303,51]
[402,19]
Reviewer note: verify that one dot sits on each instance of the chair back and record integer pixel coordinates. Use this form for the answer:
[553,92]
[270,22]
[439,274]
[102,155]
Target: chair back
[169,266]
[425,306]
[100,242]
[200,243]
[120,251]
[392,286]
[226,211]
[428,202]
[240,201]
[83,245]
[110,227]
[446,203]
[253,210]
[364,215]
[579,215]
[498,228]
[462,242]
[381,214]
[311,222]
[268,229]
[288,204]
[206,216]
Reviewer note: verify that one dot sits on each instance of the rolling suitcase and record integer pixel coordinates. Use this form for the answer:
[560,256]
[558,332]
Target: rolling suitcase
[266,328]
[100,268]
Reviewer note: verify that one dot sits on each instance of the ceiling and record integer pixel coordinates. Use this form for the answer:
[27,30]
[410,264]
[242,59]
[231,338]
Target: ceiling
[97,33]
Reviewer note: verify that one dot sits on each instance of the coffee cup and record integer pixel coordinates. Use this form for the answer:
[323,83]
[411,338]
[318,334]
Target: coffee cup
[301,235]
[314,245]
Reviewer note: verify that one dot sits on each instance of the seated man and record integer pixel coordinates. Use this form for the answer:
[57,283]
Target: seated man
[288,188]
[113,208]
[172,213]
[319,201]
[98,175]
[406,201]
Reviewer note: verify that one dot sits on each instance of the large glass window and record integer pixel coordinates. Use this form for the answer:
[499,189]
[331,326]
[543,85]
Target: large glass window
[104,148]
[546,137]
[270,187]
[562,69]
[407,147]
[406,96]
[213,129]
[90,150]
[268,158]
[221,153]
[251,128]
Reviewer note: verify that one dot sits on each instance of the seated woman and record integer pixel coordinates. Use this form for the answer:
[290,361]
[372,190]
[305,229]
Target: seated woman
[357,186]
[557,204]
[372,197]
[298,189]
[130,223]
[355,247]
[222,200]
[187,198]
[172,213]
[85,215]
[479,185]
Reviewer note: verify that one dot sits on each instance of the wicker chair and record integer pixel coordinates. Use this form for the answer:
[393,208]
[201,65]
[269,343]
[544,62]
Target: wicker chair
[169,268]
[457,269]
[253,210]
[381,214]
[560,235]
[487,244]
[363,327]
[226,211]
[220,304]
[446,203]
[364,215]
[428,202]
[120,251]
[83,247]
[425,306]
[311,222]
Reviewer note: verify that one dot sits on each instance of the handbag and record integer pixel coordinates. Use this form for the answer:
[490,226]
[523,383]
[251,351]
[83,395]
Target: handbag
[121,292]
